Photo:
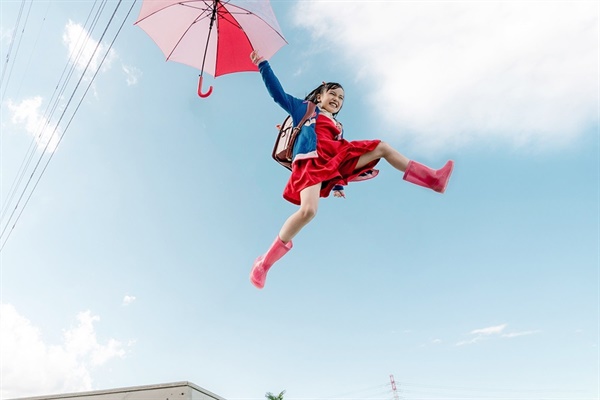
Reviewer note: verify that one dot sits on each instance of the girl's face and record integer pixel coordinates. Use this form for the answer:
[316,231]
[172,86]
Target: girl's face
[331,99]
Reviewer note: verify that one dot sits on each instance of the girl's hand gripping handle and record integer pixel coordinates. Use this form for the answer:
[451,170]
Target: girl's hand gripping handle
[256,58]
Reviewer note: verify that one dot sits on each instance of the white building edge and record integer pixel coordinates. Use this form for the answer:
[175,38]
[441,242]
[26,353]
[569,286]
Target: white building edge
[167,391]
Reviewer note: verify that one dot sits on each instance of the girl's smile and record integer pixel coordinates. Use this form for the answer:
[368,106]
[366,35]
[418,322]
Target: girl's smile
[331,100]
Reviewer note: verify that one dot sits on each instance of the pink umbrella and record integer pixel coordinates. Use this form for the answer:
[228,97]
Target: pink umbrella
[182,28]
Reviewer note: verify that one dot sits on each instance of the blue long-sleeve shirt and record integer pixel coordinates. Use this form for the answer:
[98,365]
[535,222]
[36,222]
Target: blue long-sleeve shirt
[306,142]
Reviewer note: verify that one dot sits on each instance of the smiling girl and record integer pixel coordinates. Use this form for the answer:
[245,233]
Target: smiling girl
[323,161]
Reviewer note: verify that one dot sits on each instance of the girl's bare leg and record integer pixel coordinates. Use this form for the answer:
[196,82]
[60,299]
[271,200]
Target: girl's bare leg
[309,202]
[387,152]
[414,172]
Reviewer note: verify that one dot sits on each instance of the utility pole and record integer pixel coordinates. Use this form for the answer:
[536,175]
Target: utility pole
[393,383]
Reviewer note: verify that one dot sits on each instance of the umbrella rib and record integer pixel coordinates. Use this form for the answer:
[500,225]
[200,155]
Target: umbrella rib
[247,12]
[206,12]
[234,22]
[204,15]
[181,3]
[207,8]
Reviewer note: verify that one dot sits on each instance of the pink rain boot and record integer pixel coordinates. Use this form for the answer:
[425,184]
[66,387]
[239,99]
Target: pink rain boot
[421,175]
[262,264]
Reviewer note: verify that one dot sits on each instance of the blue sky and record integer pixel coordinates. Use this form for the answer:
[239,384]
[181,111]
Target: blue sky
[129,265]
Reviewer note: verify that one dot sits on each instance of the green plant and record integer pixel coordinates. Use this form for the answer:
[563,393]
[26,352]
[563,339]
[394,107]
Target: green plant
[271,396]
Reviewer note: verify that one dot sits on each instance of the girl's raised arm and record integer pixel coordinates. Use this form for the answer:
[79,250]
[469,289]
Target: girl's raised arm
[289,103]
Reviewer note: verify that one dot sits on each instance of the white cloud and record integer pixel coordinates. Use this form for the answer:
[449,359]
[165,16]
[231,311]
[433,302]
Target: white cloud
[66,367]
[517,334]
[493,331]
[83,49]
[127,300]
[5,35]
[470,341]
[489,330]
[482,334]
[27,115]
[133,74]
[452,74]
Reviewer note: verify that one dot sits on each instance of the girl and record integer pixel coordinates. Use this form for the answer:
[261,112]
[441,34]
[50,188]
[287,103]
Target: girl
[323,161]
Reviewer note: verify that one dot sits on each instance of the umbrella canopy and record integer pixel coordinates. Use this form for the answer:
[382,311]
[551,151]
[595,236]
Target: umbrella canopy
[215,36]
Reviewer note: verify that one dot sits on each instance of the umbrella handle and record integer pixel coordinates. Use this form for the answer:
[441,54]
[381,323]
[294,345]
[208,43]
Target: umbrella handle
[208,92]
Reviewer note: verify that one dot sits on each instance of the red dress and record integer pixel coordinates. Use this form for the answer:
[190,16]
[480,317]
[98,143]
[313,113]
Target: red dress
[335,164]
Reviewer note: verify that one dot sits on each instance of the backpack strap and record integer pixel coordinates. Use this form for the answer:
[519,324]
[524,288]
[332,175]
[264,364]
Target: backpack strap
[310,109]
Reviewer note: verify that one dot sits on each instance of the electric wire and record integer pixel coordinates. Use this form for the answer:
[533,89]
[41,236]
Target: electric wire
[12,41]
[412,391]
[425,391]
[35,44]
[22,167]
[473,389]
[8,234]
[368,392]
[57,124]
[53,104]
[16,51]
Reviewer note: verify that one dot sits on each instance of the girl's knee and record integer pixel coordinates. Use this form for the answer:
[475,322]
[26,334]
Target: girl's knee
[384,148]
[307,212]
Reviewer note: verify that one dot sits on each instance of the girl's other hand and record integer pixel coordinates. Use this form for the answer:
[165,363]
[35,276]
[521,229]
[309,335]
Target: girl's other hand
[339,193]
[255,57]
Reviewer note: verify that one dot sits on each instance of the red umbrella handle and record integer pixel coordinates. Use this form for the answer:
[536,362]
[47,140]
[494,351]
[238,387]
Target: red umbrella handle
[208,92]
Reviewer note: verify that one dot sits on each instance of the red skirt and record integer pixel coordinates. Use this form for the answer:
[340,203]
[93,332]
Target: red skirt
[335,164]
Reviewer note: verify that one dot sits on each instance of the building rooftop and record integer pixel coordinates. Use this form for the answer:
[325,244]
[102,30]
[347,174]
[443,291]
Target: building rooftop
[167,391]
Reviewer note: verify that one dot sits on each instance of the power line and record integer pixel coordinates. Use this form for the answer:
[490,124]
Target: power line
[37,38]
[49,112]
[368,392]
[53,104]
[12,40]
[6,234]
[31,149]
[16,51]
[421,391]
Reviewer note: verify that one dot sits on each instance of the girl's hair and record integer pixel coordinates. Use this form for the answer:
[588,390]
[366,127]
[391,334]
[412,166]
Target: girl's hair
[312,96]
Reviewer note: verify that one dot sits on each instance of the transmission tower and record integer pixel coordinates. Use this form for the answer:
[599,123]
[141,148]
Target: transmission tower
[393,383]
